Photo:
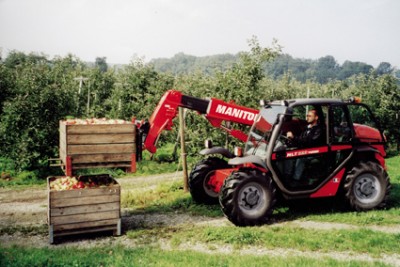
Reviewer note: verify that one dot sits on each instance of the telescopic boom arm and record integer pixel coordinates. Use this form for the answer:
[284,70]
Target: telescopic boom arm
[214,110]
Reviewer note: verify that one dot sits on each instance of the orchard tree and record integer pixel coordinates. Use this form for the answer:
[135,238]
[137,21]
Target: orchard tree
[384,68]
[388,108]
[96,92]
[101,64]
[326,69]
[29,121]
[350,68]
[7,82]
[137,89]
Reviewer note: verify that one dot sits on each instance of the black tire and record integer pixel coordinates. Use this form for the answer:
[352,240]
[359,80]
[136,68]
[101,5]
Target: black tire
[248,197]
[367,186]
[198,180]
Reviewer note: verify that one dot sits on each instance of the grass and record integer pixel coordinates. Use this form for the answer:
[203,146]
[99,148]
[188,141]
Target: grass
[270,237]
[167,197]
[121,256]
[28,230]
[21,180]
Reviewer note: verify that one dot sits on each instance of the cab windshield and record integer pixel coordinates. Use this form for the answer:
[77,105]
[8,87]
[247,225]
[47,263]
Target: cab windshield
[257,142]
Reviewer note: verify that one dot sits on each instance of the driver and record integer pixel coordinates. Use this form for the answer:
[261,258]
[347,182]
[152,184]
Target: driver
[313,135]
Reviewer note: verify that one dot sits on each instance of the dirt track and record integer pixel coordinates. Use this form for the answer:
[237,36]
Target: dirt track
[28,207]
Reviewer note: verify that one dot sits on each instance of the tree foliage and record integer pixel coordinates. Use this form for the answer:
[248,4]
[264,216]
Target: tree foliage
[36,92]
[101,64]
[323,70]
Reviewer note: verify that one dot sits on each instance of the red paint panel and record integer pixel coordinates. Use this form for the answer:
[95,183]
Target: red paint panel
[162,117]
[367,134]
[340,147]
[133,162]
[217,180]
[331,187]
[68,166]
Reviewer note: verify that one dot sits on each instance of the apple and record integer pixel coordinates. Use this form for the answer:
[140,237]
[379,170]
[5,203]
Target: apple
[92,121]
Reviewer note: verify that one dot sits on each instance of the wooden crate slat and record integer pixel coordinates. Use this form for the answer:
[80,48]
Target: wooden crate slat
[101,128]
[86,217]
[103,158]
[63,154]
[54,203]
[85,231]
[63,127]
[101,165]
[72,226]
[62,211]
[63,142]
[111,138]
[101,148]
[102,191]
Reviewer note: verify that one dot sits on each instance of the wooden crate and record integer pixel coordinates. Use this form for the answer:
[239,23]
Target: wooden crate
[81,211]
[97,146]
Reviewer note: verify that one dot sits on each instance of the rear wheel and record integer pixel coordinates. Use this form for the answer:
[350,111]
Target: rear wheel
[367,186]
[248,197]
[199,177]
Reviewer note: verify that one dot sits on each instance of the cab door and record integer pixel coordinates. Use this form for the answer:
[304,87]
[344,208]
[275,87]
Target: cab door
[341,134]
[303,168]
[340,148]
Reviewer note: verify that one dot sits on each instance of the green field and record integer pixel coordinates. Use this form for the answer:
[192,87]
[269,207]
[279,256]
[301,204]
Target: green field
[336,237]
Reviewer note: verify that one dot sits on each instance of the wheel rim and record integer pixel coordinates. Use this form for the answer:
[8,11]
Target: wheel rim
[208,188]
[252,199]
[367,188]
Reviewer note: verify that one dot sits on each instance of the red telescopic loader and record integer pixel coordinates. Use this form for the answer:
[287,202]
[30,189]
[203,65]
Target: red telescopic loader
[349,162]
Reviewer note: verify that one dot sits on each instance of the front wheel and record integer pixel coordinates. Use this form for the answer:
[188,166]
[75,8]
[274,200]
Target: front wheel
[248,197]
[367,186]
[201,174]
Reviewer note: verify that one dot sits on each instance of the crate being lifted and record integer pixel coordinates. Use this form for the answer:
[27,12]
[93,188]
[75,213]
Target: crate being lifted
[97,143]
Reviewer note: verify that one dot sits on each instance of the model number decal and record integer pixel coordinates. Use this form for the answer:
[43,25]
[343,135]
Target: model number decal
[302,153]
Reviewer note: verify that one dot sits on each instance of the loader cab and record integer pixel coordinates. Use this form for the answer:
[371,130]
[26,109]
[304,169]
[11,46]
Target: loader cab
[348,156]
[301,166]
[304,161]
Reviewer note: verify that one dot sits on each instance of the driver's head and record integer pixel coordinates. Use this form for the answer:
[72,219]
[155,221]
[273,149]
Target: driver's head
[312,117]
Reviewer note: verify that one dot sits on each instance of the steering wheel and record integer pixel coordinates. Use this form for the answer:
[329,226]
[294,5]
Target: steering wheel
[286,140]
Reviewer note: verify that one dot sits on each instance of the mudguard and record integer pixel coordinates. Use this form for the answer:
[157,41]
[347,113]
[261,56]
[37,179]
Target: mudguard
[217,150]
[362,149]
[248,159]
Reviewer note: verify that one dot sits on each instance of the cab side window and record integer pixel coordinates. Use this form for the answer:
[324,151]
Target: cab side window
[361,115]
[341,128]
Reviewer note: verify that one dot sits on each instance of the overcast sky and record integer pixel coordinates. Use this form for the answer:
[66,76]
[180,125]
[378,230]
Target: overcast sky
[356,30]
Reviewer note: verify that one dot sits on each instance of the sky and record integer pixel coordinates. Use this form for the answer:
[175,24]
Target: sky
[120,30]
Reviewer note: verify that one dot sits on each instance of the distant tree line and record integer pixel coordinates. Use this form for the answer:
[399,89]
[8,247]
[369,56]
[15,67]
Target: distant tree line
[36,92]
[322,70]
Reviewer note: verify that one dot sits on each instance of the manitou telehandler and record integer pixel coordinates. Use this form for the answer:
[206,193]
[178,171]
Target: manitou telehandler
[203,187]
[349,162]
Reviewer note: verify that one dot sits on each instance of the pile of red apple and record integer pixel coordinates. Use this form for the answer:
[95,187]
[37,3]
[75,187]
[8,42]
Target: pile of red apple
[71,182]
[94,121]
